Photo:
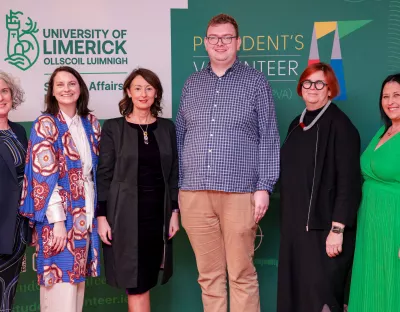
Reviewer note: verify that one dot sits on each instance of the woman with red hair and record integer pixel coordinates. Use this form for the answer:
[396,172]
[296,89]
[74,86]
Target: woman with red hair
[320,194]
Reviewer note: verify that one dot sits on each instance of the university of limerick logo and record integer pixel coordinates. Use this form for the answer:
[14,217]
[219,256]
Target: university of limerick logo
[341,29]
[22,45]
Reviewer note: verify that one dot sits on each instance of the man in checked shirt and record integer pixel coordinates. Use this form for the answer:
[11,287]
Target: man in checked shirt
[228,146]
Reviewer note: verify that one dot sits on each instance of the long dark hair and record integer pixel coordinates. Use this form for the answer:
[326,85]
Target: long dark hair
[126,104]
[386,120]
[83,100]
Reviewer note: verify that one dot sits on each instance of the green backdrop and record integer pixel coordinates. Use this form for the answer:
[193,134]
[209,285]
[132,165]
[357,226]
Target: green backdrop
[277,38]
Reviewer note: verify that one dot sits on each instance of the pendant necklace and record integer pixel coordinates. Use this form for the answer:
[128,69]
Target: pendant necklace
[303,126]
[391,131]
[145,135]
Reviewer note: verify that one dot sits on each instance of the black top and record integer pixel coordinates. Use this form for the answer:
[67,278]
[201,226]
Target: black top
[149,169]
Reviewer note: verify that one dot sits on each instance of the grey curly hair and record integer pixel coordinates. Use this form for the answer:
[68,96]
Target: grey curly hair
[17,94]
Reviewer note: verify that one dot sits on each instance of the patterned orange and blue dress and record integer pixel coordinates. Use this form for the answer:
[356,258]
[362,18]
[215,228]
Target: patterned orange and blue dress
[54,159]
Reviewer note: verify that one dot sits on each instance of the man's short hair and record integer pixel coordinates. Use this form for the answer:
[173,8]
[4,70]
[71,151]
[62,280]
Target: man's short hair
[223,19]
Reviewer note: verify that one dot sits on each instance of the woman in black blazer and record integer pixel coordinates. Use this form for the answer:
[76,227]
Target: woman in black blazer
[137,182]
[13,227]
[320,194]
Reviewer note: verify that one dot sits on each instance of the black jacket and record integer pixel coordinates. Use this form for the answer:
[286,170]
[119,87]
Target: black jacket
[10,193]
[337,183]
[117,184]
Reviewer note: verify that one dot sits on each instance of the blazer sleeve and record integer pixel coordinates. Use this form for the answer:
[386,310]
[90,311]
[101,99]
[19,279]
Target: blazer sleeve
[174,175]
[348,173]
[105,170]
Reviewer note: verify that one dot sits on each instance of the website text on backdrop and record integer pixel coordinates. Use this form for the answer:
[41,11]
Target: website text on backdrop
[374,282]
[14,229]
[138,191]
[59,192]
[228,146]
[320,193]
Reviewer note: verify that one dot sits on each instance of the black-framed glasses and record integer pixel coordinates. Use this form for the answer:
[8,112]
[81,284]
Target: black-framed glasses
[319,84]
[225,40]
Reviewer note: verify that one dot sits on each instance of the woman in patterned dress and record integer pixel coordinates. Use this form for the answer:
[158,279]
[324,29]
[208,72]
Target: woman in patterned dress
[13,228]
[59,193]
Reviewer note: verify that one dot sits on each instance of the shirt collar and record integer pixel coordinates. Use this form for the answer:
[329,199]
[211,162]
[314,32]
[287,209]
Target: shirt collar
[69,120]
[230,69]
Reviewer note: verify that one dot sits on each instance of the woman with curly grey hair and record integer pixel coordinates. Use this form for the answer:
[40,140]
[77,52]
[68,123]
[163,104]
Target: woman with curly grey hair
[13,227]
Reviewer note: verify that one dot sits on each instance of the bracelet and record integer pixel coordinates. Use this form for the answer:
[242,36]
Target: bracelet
[176,210]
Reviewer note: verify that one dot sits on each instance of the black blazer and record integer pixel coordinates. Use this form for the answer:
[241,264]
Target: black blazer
[10,193]
[117,185]
[338,182]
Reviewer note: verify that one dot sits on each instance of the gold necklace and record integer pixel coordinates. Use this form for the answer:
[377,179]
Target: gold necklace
[145,134]
[391,131]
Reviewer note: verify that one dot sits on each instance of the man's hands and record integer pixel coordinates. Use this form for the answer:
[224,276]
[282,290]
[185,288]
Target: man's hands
[261,203]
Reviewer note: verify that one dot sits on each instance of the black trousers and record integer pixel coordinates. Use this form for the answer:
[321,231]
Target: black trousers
[10,266]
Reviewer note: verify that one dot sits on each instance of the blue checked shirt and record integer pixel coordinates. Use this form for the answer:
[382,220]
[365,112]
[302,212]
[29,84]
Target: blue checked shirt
[227,133]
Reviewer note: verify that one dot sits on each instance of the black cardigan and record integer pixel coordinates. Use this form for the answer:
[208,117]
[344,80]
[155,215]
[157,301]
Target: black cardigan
[10,193]
[117,186]
[337,187]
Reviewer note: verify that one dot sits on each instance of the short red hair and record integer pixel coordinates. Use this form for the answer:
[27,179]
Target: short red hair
[330,78]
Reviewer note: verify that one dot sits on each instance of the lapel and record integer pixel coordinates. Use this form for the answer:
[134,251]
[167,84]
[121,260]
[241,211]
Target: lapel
[162,138]
[62,125]
[8,159]
[90,137]
[323,140]
[63,128]
[128,145]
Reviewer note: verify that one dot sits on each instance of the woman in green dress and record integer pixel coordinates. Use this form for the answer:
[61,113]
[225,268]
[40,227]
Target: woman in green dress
[375,284]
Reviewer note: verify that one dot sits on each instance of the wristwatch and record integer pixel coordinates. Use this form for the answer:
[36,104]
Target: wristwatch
[337,229]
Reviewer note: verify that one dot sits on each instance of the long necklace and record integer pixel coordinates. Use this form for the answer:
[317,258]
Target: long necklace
[303,126]
[145,134]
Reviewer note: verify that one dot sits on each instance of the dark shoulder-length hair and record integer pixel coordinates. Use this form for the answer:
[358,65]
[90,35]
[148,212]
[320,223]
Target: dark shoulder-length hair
[83,100]
[386,120]
[126,104]
[330,78]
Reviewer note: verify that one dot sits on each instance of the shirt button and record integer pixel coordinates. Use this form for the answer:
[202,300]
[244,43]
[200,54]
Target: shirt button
[209,150]
[217,91]
[211,134]
[215,105]
[212,119]
[208,166]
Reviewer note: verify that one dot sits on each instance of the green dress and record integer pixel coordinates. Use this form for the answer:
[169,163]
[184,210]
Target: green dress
[375,284]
